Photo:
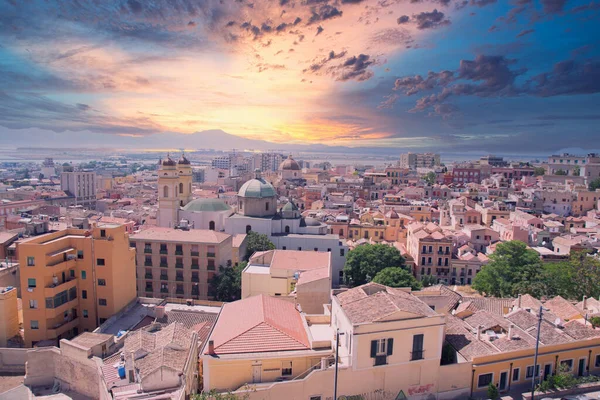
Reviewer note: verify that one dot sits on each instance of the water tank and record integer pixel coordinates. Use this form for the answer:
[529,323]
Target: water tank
[121,371]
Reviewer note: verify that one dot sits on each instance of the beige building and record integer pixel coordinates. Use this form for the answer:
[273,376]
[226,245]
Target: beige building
[81,185]
[304,276]
[432,249]
[9,315]
[74,279]
[174,189]
[179,263]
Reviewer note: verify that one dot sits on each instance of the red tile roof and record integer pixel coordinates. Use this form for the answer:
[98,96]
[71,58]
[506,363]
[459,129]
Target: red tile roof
[259,324]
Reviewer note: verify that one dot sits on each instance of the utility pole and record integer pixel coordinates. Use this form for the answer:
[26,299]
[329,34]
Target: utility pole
[537,345]
[335,373]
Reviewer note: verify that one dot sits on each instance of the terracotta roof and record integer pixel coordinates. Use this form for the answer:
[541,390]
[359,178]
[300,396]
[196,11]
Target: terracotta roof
[259,324]
[562,308]
[300,260]
[91,339]
[313,275]
[180,236]
[494,305]
[201,322]
[527,301]
[373,302]
[160,358]
[463,340]
[549,334]
[592,305]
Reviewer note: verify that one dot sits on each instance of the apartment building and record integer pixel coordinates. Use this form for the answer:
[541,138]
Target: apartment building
[179,263]
[419,160]
[396,175]
[73,280]
[81,185]
[566,162]
[466,174]
[432,249]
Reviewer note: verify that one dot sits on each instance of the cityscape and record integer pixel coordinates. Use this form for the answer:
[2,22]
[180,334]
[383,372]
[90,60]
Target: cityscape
[299,199]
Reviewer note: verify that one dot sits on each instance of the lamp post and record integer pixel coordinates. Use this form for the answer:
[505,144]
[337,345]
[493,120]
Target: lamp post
[537,345]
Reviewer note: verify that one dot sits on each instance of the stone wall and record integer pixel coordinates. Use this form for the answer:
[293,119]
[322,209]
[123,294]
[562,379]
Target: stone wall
[13,360]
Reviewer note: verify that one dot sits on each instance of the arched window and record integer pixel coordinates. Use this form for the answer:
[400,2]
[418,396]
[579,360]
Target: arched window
[166,191]
[211,225]
[180,188]
[267,206]
[287,229]
[248,228]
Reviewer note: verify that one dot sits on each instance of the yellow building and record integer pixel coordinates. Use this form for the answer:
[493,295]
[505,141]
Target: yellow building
[179,263]
[74,279]
[305,276]
[9,315]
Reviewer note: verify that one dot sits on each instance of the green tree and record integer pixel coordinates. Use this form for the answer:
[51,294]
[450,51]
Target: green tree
[257,242]
[576,171]
[364,262]
[397,277]
[513,269]
[561,172]
[539,171]
[595,184]
[492,391]
[595,321]
[428,280]
[430,178]
[227,284]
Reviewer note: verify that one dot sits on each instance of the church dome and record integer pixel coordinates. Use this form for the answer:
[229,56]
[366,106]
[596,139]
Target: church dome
[257,188]
[168,162]
[289,164]
[200,205]
[312,221]
[289,206]
[183,160]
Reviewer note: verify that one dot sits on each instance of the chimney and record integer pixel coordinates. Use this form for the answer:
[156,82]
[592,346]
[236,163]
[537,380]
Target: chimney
[584,302]
[131,367]
[211,347]
[159,311]
[510,331]
[479,329]
[519,302]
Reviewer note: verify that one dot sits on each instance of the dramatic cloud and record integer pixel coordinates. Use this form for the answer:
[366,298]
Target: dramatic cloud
[355,68]
[323,13]
[567,78]
[403,19]
[429,20]
[553,6]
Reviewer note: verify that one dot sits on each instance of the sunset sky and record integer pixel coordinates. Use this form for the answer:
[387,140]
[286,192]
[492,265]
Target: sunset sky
[485,75]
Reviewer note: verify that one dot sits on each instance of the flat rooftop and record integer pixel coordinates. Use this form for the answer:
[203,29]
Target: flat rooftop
[180,236]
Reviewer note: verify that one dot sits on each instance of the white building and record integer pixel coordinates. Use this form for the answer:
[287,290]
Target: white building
[419,160]
[81,185]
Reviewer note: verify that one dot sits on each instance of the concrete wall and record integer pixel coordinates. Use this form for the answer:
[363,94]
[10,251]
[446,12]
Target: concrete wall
[13,360]
[9,316]
[312,295]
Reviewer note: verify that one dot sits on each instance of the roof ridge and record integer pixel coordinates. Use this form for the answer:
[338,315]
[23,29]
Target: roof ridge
[250,328]
[282,332]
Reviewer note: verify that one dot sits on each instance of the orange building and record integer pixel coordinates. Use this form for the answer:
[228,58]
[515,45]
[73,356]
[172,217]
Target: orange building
[74,279]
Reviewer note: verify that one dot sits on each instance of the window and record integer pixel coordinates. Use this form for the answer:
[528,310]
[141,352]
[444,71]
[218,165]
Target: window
[83,275]
[516,373]
[30,261]
[85,313]
[484,380]
[380,349]
[568,364]
[342,252]
[102,302]
[529,372]
[102,233]
[267,206]
[80,254]
[33,304]
[597,363]
[286,368]
[100,262]
[210,265]
[34,324]
[314,398]
[84,294]
[417,349]
[101,282]
[31,283]
[102,320]
[211,225]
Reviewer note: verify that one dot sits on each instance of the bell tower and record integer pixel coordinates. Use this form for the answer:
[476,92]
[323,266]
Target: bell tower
[184,185]
[168,202]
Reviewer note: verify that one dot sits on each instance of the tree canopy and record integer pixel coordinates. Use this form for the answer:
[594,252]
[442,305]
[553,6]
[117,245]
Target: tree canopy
[595,184]
[539,171]
[257,242]
[227,284]
[513,269]
[397,277]
[365,261]
[430,178]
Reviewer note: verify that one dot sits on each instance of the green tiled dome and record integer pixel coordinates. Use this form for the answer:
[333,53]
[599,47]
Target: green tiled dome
[206,205]
[258,188]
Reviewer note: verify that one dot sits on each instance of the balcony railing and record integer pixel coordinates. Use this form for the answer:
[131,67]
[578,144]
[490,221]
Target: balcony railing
[62,327]
[178,291]
[164,265]
[179,278]
[178,265]
[195,266]
[148,275]
[416,355]
[164,277]
[195,279]
[148,251]
[178,252]
[209,254]
[195,253]
[147,263]
[380,360]
[163,251]
[164,290]
[52,290]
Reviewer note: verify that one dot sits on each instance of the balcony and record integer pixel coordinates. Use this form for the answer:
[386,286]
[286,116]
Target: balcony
[179,291]
[195,279]
[380,360]
[52,291]
[148,275]
[147,263]
[164,277]
[210,254]
[164,251]
[178,252]
[195,253]
[179,278]
[164,265]
[164,290]
[195,266]
[61,265]
[416,355]
[178,265]
[62,327]
[148,251]
[60,310]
